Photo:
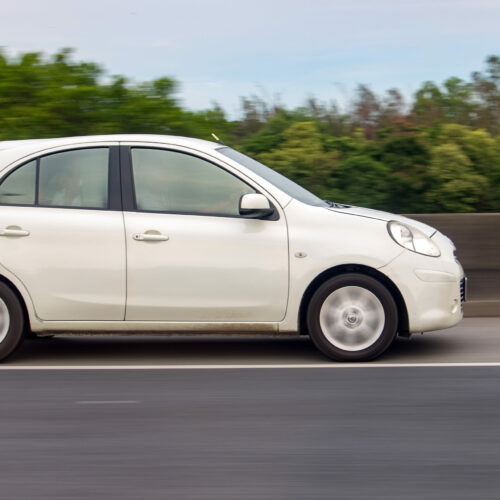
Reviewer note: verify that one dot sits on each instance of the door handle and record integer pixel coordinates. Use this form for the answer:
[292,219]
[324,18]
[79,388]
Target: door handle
[14,231]
[150,236]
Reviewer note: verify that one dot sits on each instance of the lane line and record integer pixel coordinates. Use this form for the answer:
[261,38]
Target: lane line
[130,402]
[247,366]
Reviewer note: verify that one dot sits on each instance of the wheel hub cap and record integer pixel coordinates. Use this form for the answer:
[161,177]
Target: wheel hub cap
[352,318]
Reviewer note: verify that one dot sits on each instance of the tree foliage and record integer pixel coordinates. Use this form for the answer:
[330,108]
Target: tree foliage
[440,152]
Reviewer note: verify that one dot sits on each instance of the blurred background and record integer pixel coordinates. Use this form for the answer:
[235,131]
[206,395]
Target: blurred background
[438,151]
[388,104]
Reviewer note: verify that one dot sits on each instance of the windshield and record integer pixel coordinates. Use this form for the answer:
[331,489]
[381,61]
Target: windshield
[280,181]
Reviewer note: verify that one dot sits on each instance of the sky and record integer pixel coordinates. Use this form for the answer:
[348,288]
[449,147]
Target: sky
[282,51]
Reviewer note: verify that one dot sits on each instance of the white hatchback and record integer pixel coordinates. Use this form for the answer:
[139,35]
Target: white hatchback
[145,233]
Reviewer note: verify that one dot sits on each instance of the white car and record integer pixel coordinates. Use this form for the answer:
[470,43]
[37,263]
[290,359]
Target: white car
[145,233]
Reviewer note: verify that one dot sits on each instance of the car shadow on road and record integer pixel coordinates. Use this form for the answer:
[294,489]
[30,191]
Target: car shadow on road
[166,350]
[68,350]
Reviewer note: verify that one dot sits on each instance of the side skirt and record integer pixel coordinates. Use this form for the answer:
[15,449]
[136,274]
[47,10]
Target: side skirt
[152,328]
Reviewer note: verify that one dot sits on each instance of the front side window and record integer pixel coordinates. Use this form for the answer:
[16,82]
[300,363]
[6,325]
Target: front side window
[77,178]
[19,186]
[168,181]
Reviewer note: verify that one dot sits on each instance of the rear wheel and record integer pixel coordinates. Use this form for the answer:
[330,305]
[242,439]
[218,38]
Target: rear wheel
[352,317]
[11,321]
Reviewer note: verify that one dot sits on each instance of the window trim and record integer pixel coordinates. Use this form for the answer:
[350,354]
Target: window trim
[37,181]
[114,201]
[128,185]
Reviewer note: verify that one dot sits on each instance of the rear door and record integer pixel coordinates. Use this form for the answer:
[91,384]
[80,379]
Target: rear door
[62,233]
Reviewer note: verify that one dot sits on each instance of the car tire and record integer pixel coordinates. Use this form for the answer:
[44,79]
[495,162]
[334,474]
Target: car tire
[11,321]
[352,317]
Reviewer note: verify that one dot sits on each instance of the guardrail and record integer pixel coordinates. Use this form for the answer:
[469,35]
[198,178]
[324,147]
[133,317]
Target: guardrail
[477,238]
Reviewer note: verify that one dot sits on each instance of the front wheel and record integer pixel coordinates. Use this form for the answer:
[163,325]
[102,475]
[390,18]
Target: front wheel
[352,317]
[11,321]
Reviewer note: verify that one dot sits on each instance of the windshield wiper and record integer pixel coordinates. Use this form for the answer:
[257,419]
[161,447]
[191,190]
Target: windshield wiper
[333,204]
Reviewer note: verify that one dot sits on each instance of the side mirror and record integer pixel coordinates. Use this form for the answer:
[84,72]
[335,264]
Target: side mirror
[255,206]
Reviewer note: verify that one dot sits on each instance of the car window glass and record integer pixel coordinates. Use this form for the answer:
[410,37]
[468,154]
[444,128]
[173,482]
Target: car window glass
[280,181]
[77,178]
[169,181]
[19,187]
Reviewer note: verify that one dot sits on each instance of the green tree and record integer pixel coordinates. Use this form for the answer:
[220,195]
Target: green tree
[361,180]
[454,187]
[406,157]
[270,136]
[366,110]
[58,97]
[301,157]
[487,89]
[453,103]
[483,152]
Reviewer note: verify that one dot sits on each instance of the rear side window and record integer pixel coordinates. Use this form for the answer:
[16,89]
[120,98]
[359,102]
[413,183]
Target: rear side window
[77,178]
[20,186]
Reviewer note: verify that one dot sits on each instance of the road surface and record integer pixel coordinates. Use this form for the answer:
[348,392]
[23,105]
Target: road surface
[247,419]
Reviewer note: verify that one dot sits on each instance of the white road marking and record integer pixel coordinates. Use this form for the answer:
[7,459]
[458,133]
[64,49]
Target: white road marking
[106,402]
[247,366]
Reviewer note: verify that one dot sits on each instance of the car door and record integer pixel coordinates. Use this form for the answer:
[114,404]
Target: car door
[190,255]
[62,233]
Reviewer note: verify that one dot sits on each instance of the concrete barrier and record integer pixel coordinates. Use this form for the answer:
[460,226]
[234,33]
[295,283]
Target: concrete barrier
[477,238]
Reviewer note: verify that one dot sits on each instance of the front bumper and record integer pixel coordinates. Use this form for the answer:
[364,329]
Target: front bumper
[433,289]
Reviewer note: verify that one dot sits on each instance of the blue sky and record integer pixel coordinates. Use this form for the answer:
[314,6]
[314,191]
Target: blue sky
[283,51]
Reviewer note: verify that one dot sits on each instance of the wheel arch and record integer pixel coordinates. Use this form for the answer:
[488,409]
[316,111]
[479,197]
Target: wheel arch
[18,294]
[403,323]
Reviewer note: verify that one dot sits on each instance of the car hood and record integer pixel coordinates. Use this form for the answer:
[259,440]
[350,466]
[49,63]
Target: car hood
[385,216]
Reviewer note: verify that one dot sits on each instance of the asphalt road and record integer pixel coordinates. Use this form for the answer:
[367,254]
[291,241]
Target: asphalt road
[311,431]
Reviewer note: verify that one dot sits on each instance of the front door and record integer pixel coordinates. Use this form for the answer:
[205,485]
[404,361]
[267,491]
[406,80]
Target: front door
[190,255]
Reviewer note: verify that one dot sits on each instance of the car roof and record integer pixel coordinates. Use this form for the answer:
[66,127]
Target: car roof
[11,151]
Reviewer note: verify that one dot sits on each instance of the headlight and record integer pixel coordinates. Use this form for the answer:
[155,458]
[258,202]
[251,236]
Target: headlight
[412,239]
